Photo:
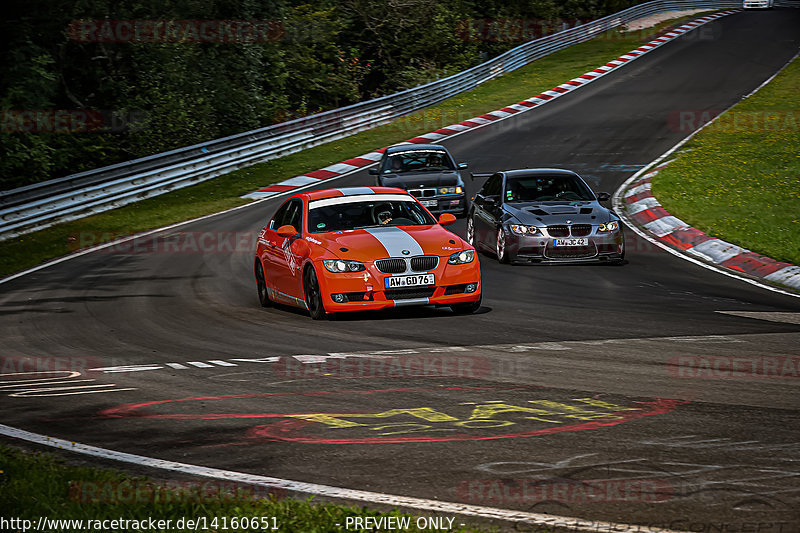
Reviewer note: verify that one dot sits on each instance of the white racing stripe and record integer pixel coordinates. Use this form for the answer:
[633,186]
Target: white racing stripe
[336,200]
[352,191]
[379,498]
[396,241]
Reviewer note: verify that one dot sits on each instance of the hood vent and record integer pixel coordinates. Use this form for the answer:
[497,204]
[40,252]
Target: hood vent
[537,211]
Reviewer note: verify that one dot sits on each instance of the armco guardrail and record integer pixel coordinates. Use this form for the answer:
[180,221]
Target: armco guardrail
[43,204]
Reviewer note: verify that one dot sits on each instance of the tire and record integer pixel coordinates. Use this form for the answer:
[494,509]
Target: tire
[500,246]
[471,232]
[467,308]
[261,284]
[313,295]
[621,259]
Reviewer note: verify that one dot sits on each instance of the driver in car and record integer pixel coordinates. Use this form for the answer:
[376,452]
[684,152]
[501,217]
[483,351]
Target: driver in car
[434,160]
[383,214]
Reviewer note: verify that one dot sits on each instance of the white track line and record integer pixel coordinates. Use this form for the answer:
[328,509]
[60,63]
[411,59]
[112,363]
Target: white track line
[533,519]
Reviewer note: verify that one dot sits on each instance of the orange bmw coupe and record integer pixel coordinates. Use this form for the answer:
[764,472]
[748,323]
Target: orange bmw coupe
[363,248]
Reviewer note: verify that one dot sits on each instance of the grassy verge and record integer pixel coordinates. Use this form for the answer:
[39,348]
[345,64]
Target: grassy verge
[39,485]
[739,179]
[224,192]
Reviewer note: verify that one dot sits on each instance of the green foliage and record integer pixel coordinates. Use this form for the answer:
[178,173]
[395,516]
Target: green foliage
[167,95]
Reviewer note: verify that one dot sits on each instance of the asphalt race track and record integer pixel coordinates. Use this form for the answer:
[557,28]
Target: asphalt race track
[568,374]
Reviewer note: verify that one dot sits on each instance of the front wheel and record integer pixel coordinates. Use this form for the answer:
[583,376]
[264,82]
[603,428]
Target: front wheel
[313,294]
[471,232]
[501,249]
[467,308]
[621,259]
[261,283]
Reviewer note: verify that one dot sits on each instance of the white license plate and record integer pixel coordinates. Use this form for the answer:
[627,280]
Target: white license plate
[428,203]
[418,280]
[570,242]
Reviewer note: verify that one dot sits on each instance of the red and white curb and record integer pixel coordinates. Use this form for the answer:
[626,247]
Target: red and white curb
[362,161]
[643,208]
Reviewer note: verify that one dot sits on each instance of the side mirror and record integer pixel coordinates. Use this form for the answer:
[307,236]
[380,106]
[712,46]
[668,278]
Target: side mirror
[287,231]
[445,219]
[603,196]
[374,172]
[462,166]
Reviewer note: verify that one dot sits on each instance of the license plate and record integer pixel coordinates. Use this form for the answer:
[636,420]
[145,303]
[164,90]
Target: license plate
[428,203]
[418,280]
[570,242]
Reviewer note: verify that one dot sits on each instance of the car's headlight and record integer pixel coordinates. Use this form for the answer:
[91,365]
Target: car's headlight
[339,265]
[520,229]
[450,190]
[610,226]
[462,257]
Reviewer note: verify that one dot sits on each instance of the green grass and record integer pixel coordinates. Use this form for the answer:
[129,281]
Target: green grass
[224,192]
[739,179]
[33,485]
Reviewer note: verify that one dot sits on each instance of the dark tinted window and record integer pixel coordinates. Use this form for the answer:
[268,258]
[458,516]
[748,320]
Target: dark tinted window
[372,213]
[418,161]
[290,213]
[280,214]
[547,189]
[492,186]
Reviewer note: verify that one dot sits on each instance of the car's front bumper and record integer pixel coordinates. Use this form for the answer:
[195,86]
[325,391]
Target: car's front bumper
[761,4]
[445,203]
[366,290]
[601,247]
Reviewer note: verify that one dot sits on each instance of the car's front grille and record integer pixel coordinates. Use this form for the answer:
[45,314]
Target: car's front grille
[558,231]
[422,193]
[581,230]
[408,294]
[391,266]
[424,263]
[562,230]
[570,252]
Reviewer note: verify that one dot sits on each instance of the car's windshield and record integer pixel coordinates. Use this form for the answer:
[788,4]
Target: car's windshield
[546,188]
[342,214]
[418,161]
